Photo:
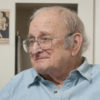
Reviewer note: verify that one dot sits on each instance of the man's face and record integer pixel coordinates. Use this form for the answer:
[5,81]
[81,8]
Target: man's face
[48,25]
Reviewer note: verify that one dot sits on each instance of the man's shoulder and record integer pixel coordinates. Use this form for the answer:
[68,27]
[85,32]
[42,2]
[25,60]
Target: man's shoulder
[23,77]
[95,71]
[18,83]
[95,68]
[25,74]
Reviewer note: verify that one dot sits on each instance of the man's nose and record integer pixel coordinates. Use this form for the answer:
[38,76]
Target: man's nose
[36,48]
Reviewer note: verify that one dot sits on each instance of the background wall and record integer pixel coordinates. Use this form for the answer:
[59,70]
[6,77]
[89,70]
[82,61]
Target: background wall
[7,51]
[97,32]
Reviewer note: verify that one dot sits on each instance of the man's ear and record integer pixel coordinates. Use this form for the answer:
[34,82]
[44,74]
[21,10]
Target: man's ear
[77,43]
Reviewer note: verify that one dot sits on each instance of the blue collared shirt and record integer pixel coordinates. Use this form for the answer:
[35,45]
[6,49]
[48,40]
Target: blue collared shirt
[82,84]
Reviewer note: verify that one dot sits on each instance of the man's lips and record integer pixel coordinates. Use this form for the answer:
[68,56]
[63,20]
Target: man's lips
[41,58]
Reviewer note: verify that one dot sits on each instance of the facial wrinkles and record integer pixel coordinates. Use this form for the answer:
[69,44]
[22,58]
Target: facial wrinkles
[37,52]
[50,23]
[40,55]
[43,28]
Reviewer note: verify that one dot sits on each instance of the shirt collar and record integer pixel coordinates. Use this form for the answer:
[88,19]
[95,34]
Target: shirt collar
[85,70]
[34,78]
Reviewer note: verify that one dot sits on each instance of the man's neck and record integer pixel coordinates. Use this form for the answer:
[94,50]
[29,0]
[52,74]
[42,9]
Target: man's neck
[58,77]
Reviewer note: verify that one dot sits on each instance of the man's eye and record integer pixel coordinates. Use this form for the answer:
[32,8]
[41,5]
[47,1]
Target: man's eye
[31,41]
[46,38]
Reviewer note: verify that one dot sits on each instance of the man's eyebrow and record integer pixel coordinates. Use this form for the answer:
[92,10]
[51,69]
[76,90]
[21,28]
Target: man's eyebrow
[43,33]
[30,36]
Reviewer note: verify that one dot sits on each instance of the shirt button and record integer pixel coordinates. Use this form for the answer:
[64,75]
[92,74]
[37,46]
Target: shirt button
[55,92]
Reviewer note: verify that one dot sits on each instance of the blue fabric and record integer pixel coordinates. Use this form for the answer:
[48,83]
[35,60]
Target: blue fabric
[82,84]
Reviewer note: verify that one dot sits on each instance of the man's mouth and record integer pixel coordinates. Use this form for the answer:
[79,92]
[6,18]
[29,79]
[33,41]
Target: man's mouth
[41,58]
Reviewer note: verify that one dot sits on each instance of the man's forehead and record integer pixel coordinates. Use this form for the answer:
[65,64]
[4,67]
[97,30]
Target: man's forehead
[48,15]
[40,34]
[47,21]
[52,15]
[48,12]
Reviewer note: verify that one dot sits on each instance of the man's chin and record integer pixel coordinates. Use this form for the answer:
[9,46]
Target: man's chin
[41,69]
[41,66]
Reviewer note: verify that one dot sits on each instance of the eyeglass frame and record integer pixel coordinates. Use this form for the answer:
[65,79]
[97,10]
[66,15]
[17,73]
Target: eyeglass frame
[39,43]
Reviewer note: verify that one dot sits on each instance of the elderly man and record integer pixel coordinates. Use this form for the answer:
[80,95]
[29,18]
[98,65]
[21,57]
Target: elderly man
[56,41]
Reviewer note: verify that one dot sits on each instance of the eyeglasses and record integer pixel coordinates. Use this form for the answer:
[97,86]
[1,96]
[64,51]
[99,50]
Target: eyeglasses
[44,42]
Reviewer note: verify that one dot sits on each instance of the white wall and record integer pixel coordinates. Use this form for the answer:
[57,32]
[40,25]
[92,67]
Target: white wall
[7,54]
[97,33]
